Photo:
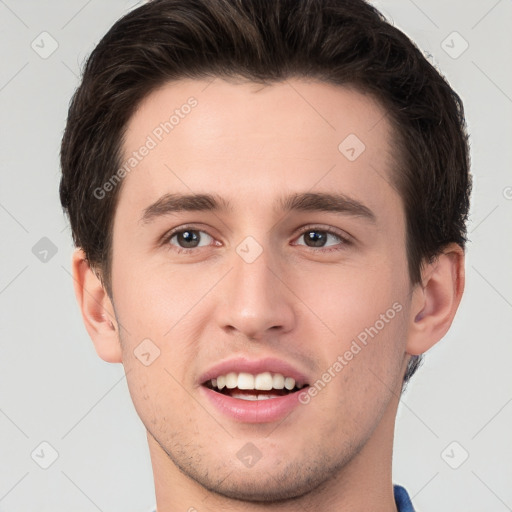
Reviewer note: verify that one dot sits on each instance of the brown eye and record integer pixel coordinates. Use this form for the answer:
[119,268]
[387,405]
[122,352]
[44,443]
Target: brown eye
[315,238]
[319,238]
[189,239]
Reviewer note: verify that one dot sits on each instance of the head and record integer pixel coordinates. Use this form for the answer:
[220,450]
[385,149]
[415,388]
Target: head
[254,101]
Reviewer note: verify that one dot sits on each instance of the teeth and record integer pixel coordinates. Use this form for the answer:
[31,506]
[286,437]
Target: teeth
[278,381]
[245,381]
[289,383]
[231,380]
[244,397]
[252,397]
[262,381]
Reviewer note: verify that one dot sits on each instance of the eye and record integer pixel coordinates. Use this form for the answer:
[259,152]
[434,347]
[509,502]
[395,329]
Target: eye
[186,238]
[315,237]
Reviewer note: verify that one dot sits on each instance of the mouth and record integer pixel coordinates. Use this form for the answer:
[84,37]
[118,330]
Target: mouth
[252,387]
[254,391]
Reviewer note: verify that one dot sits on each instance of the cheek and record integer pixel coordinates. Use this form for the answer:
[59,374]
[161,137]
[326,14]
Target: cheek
[155,394]
[152,301]
[155,365]
[350,298]
[366,312]
[367,375]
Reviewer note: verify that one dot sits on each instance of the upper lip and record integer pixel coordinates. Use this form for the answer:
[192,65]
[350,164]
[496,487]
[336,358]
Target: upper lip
[240,364]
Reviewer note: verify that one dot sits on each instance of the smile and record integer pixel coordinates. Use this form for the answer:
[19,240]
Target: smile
[253,391]
[246,386]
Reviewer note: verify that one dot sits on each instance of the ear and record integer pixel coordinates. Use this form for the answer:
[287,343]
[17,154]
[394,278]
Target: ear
[436,299]
[97,309]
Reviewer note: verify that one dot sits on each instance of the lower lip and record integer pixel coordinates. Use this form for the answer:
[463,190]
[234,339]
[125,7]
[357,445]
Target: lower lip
[253,411]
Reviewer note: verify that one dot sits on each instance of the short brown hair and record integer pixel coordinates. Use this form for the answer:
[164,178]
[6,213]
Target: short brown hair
[342,42]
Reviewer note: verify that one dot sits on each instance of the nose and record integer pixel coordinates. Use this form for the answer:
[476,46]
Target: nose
[257,301]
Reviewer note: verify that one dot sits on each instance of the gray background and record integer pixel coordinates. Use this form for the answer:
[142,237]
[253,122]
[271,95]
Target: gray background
[53,387]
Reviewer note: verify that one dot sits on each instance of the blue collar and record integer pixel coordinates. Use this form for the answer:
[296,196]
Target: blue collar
[402,500]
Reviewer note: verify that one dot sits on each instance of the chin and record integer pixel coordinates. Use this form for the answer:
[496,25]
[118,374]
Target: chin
[264,488]
[266,482]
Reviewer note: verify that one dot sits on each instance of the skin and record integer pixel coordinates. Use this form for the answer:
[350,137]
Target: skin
[251,144]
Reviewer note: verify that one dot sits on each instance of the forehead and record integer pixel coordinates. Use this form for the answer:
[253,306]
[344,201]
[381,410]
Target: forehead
[248,141]
[296,108]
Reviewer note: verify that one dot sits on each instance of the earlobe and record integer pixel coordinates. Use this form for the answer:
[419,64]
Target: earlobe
[96,308]
[436,300]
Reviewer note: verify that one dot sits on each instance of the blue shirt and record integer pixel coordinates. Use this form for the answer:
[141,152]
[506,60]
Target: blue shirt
[402,500]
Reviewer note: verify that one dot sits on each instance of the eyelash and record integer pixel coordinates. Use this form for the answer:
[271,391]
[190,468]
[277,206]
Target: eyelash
[344,240]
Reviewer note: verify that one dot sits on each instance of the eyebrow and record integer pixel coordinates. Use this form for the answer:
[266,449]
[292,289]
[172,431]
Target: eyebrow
[172,203]
[307,201]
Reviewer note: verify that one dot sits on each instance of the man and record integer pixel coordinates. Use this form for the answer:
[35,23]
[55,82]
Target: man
[268,201]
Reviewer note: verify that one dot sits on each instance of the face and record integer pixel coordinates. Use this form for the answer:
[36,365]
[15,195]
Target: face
[298,278]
